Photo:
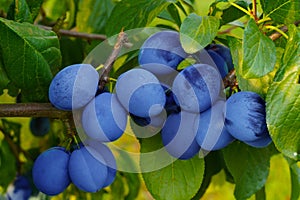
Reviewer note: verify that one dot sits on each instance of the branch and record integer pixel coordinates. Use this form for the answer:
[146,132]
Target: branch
[32,110]
[284,29]
[121,41]
[88,36]
[230,79]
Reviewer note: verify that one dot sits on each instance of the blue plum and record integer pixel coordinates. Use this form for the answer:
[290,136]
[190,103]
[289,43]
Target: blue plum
[73,87]
[87,169]
[260,142]
[20,189]
[219,62]
[140,92]
[161,53]
[224,52]
[39,126]
[212,134]
[50,171]
[178,135]
[104,118]
[245,117]
[197,87]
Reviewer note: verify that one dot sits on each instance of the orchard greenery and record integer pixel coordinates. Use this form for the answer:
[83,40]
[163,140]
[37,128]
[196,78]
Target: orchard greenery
[254,48]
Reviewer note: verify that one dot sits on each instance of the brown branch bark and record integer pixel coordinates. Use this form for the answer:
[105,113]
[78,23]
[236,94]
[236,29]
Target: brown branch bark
[32,110]
[277,35]
[88,36]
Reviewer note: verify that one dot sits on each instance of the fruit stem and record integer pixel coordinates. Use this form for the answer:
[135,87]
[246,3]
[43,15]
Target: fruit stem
[122,40]
[241,8]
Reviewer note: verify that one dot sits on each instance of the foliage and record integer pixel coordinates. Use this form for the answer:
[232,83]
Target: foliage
[264,63]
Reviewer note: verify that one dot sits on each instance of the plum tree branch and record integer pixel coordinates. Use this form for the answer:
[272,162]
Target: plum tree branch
[122,40]
[32,110]
[284,29]
[88,36]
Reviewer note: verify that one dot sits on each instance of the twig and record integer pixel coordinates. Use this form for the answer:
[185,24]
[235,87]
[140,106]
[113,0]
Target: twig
[230,79]
[121,41]
[32,110]
[88,36]
[284,29]
[254,13]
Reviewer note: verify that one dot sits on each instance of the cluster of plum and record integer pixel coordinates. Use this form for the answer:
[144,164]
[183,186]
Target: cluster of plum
[188,105]
[89,167]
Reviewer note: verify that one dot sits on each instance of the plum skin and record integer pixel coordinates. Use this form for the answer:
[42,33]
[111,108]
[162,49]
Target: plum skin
[88,173]
[133,89]
[50,171]
[178,135]
[39,126]
[197,87]
[161,53]
[245,117]
[73,87]
[219,62]
[104,118]
[224,52]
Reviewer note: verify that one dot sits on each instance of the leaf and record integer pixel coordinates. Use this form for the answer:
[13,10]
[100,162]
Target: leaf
[117,187]
[282,11]
[232,13]
[29,53]
[19,11]
[134,184]
[174,12]
[290,60]
[3,77]
[249,167]
[295,178]
[7,165]
[35,7]
[179,180]
[129,14]
[283,105]
[92,15]
[196,32]
[259,52]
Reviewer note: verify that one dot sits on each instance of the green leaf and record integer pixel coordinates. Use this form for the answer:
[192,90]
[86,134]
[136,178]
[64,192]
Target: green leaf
[7,165]
[134,184]
[181,179]
[295,178]
[129,14]
[20,12]
[259,52]
[117,187]
[3,77]
[29,53]
[92,15]
[35,7]
[281,11]
[232,13]
[249,167]
[283,105]
[4,5]
[196,32]
[172,9]
[290,60]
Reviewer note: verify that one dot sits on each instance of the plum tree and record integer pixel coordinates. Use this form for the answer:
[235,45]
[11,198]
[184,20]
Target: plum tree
[133,89]
[50,171]
[74,86]
[197,87]
[104,118]
[161,53]
[246,118]
[87,169]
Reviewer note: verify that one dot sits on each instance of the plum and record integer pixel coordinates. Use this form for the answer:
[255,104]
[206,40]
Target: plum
[87,169]
[224,52]
[39,126]
[178,135]
[197,87]
[245,118]
[161,53]
[104,118]
[212,134]
[50,171]
[219,62]
[20,189]
[74,86]
[140,92]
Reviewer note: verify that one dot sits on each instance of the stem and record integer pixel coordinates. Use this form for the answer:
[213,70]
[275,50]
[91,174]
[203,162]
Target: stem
[281,32]
[32,110]
[284,29]
[261,194]
[230,79]
[88,36]
[240,8]
[264,20]
[121,41]
[254,12]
